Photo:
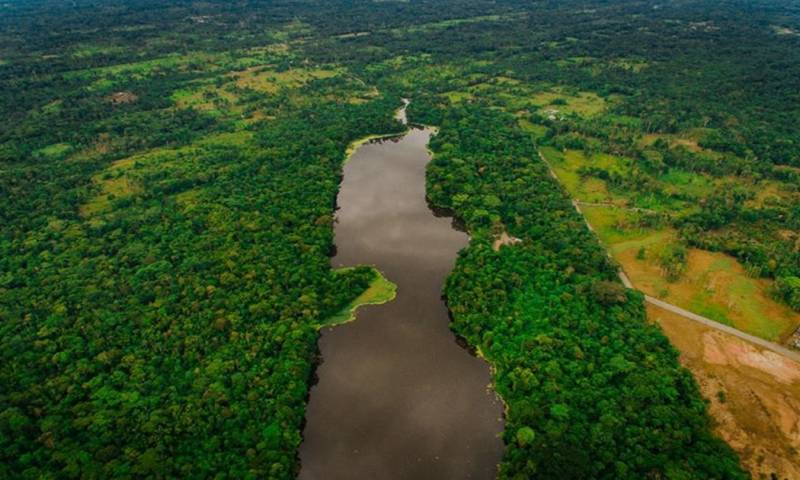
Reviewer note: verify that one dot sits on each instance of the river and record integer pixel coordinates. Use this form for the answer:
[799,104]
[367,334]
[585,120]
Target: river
[397,397]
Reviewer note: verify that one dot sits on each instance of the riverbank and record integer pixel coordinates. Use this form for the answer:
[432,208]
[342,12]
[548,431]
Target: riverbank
[398,115]
[355,144]
[547,316]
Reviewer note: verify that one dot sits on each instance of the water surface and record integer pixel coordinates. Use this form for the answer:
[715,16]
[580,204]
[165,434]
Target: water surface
[397,397]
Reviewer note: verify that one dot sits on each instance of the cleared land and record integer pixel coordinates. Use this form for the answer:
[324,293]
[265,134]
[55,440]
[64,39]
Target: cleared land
[754,394]
[711,284]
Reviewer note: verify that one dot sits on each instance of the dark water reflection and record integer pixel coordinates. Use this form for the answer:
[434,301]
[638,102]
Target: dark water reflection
[397,397]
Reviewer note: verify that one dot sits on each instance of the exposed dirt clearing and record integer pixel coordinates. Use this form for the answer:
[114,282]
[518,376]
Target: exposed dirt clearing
[121,98]
[754,394]
[720,351]
[504,239]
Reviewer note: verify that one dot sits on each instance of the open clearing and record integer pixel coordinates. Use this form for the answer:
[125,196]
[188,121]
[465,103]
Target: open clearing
[56,150]
[567,165]
[271,81]
[124,178]
[754,394]
[714,285]
[585,104]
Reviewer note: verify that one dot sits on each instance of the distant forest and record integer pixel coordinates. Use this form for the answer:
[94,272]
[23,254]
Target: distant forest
[168,175]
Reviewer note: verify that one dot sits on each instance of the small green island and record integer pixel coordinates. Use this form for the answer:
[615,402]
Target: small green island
[380,290]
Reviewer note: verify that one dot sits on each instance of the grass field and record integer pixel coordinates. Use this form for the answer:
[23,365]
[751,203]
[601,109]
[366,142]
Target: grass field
[107,77]
[585,104]
[688,139]
[110,189]
[122,178]
[713,284]
[537,131]
[271,81]
[567,165]
[56,150]
[685,183]
[459,96]
[207,98]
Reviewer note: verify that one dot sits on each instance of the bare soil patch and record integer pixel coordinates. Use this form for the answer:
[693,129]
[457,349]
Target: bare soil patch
[504,239]
[121,98]
[753,394]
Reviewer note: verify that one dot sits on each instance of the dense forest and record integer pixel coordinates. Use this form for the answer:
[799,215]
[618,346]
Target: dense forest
[591,387]
[168,176]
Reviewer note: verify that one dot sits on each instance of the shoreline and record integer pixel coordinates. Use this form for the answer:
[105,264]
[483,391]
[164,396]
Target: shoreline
[355,144]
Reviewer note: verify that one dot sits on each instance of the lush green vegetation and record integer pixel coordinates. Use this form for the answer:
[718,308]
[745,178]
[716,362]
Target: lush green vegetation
[165,263]
[181,319]
[380,291]
[168,173]
[592,388]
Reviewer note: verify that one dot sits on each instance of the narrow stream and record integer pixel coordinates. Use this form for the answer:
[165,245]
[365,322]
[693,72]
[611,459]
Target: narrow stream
[397,397]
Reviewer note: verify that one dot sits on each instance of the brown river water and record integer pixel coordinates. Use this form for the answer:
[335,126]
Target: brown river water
[397,397]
